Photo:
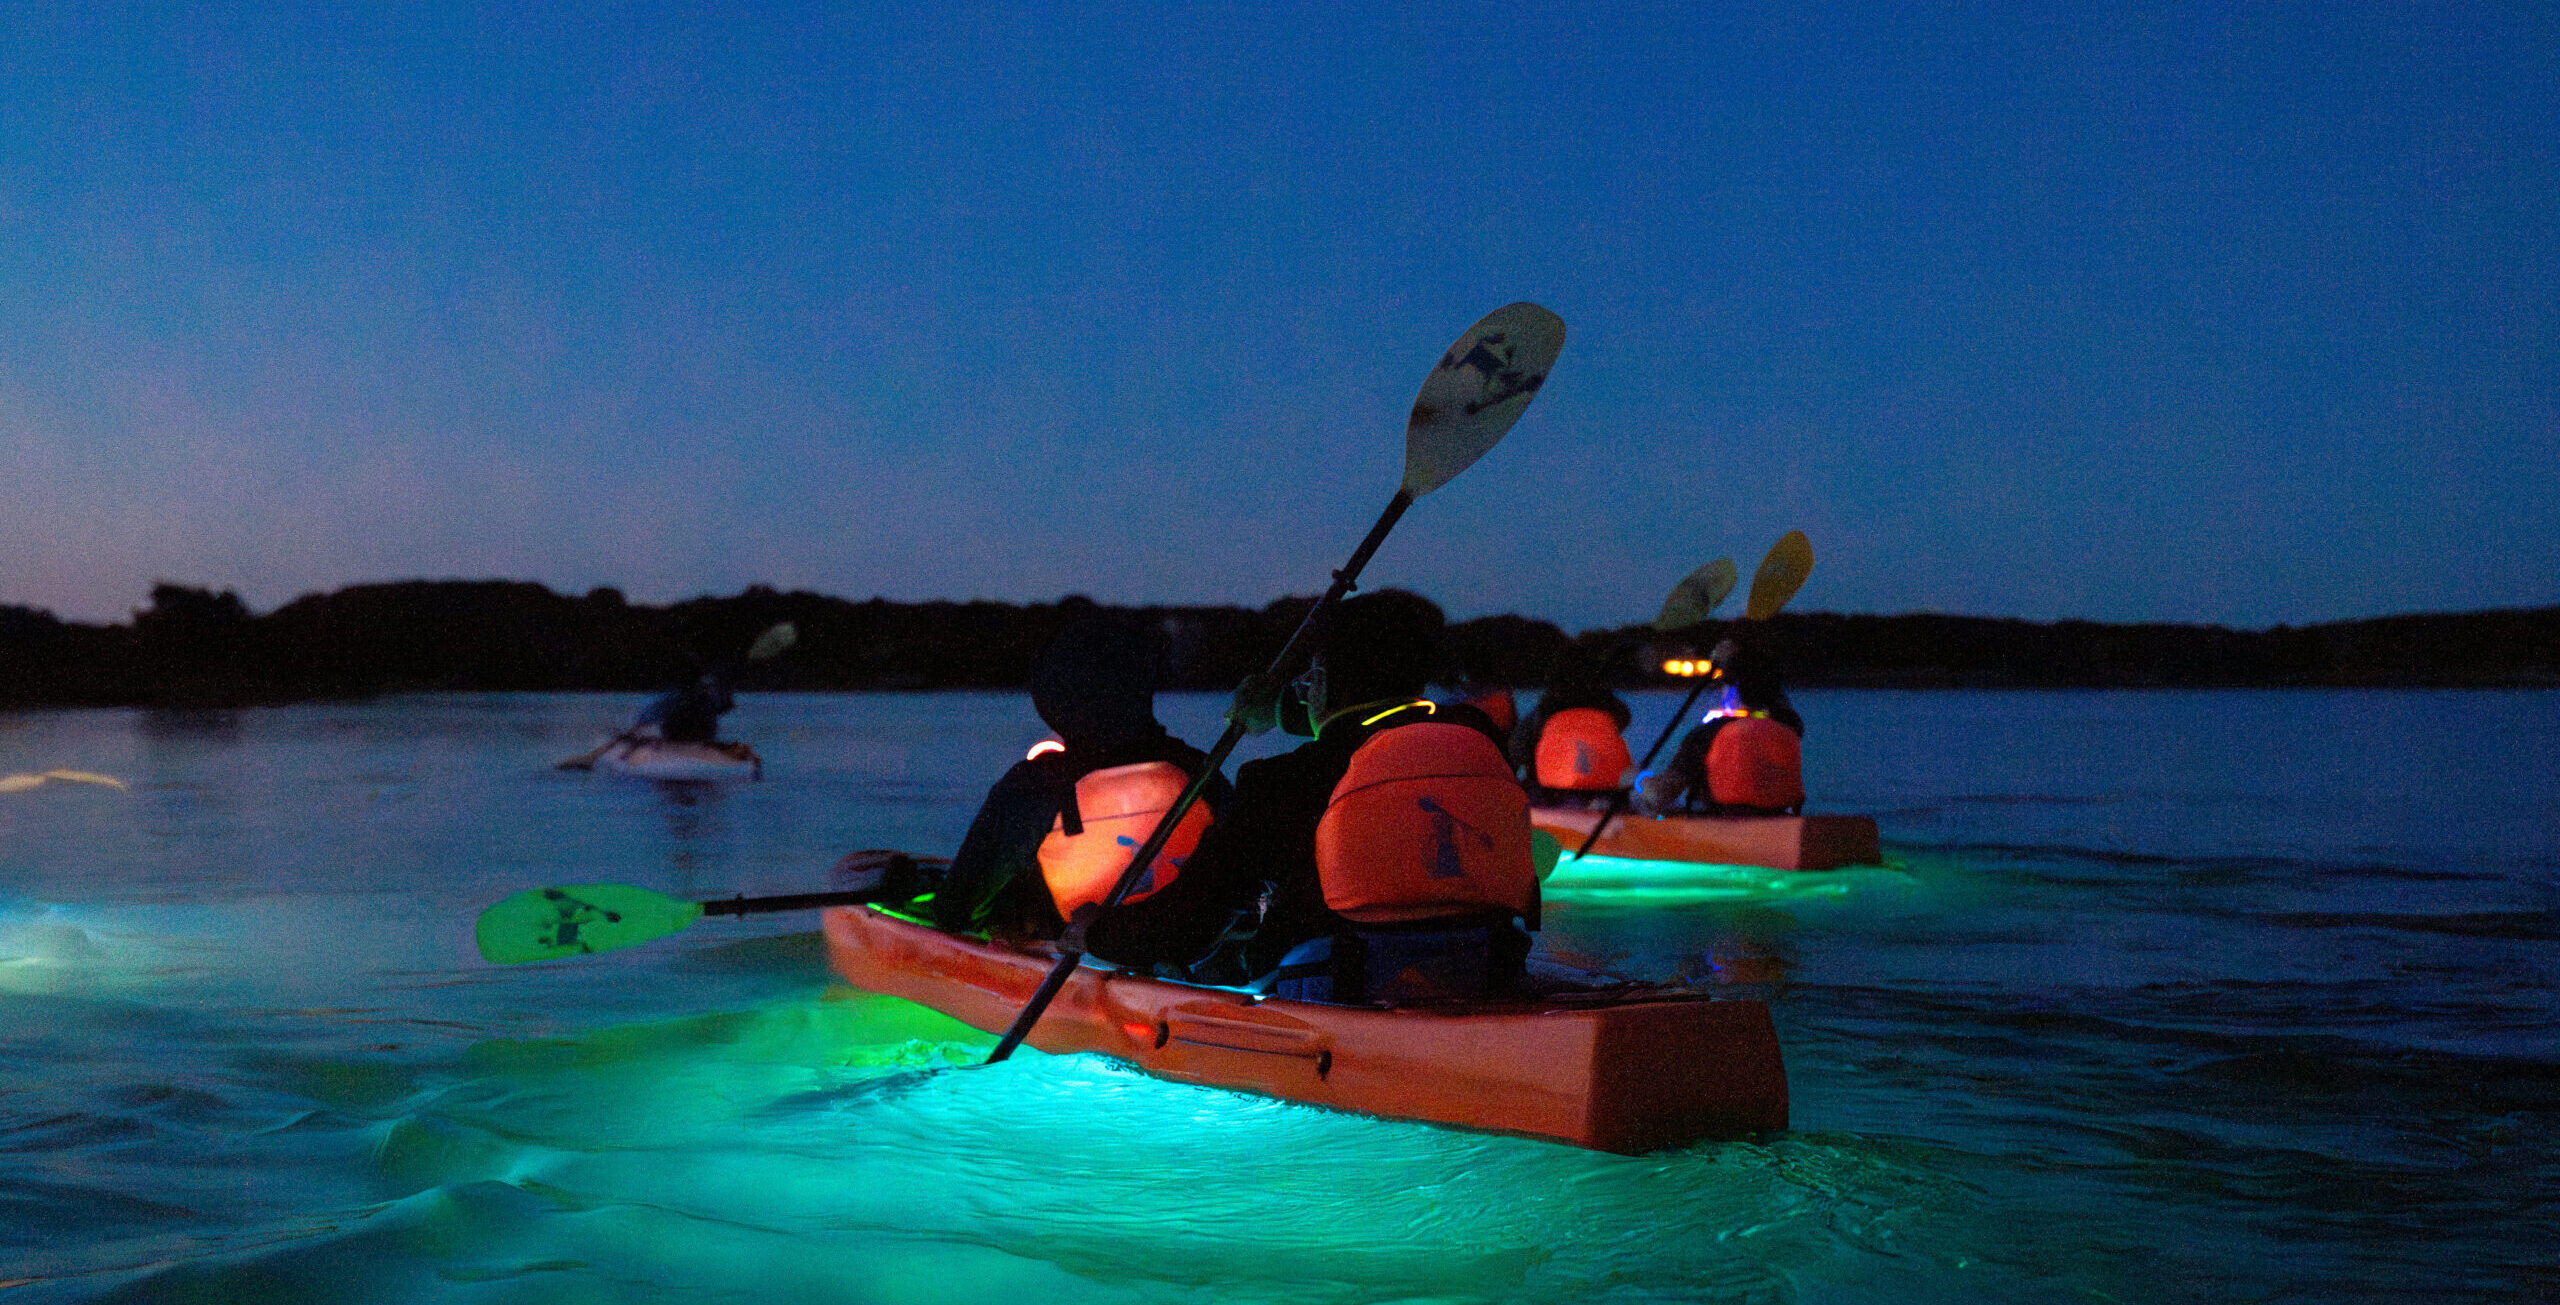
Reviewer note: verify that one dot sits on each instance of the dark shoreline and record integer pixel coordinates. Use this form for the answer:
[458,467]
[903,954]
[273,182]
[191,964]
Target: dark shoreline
[193,648]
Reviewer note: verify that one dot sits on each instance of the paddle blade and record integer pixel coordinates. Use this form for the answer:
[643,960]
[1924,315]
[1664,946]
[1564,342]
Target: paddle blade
[544,924]
[1544,853]
[1697,595]
[1780,575]
[22,782]
[1481,386]
[774,642]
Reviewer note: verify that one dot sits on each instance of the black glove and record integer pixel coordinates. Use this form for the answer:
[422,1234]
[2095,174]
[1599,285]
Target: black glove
[883,874]
[1071,938]
[1256,704]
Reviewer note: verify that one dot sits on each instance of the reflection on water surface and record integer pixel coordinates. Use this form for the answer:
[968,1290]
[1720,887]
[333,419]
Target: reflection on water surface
[2162,996]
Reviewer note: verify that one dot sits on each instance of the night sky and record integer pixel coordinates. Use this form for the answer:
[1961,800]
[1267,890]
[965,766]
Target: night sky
[2239,313]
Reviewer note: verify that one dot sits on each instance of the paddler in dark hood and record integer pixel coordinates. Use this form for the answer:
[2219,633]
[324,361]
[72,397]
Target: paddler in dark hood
[1578,685]
[690,714]
[1756,771]
[1257,882]
[1032,841]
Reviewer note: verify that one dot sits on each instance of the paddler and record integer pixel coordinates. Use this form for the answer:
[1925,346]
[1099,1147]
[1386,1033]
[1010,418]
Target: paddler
[1059,826]
[1494,700]
[1572,750]
[1387,859]
[1745,756]
[690,714]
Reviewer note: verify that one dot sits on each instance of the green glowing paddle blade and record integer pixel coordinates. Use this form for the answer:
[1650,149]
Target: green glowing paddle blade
[544,924]
[1780,575]
[1695,598]
[1544,853]
[1481,386]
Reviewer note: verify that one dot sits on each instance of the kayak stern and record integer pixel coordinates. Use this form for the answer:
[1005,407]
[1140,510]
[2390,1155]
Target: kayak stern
[1776,842]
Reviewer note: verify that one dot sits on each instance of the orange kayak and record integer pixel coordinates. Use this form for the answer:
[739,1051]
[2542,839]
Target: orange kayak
[1778,842]
[1628,1069]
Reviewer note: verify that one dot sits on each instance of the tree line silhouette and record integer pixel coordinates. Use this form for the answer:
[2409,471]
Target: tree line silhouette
[193,647]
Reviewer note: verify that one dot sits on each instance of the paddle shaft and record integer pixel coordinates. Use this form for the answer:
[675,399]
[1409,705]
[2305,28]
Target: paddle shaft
[1343,580]
[1618,800]
[587,761]
[789,902]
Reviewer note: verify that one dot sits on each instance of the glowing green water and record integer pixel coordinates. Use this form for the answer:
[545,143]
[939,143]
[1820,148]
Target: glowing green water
[822,1148]
[2275,1035]
[1624,881]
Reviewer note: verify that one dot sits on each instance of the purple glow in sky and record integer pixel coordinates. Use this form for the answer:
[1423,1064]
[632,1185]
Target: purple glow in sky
[2189,312]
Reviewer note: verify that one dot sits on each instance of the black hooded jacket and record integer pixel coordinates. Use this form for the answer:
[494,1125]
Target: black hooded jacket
[1264,854]
[1095,686]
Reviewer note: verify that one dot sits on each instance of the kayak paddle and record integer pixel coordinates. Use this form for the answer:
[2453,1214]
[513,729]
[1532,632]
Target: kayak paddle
[1781,573]
[771,644]
[774,642]
[1467,404]
[1692,600]
[1696,597]
[543,924]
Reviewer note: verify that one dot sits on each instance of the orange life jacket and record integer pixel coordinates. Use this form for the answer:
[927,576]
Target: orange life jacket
[1120,806]
[1498,704]
[1580,749]
[1756,762]
[1427,822]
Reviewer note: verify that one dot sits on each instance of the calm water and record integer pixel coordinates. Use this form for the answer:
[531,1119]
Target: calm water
[2235,996]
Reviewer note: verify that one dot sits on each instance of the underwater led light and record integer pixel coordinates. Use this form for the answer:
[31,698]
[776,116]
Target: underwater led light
[1621,881]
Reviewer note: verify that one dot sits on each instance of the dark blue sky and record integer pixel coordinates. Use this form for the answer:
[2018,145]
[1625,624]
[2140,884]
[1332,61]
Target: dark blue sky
[2242,313]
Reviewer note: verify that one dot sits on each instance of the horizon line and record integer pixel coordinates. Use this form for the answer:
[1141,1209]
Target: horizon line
[1075,597]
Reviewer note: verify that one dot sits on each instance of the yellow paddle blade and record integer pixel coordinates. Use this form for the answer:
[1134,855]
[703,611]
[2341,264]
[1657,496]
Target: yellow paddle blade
[542,924]
[1697,595]
[1780,575]
[1481,386]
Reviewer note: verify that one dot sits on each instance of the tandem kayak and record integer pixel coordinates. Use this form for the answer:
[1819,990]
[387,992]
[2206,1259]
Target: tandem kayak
[1626,1068]
[660,759]
[1777,842]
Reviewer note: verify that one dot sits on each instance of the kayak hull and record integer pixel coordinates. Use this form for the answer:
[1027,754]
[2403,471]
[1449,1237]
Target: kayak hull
[1620,1072]
[660,759]
[1777,842]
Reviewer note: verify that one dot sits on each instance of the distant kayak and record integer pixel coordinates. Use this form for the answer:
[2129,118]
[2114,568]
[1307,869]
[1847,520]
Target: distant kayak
[1627,1068]
[660,759]
[1777,842]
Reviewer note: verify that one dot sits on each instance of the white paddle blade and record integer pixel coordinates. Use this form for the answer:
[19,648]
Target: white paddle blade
[1697,595]
[774,642]
[1780,575]
[1481,386]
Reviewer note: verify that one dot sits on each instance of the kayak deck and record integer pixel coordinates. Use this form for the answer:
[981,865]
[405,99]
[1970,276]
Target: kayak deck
[1625,1070]
[1777,842]
[661,759]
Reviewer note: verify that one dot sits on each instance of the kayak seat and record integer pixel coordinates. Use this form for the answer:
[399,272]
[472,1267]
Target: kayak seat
[1431,961]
